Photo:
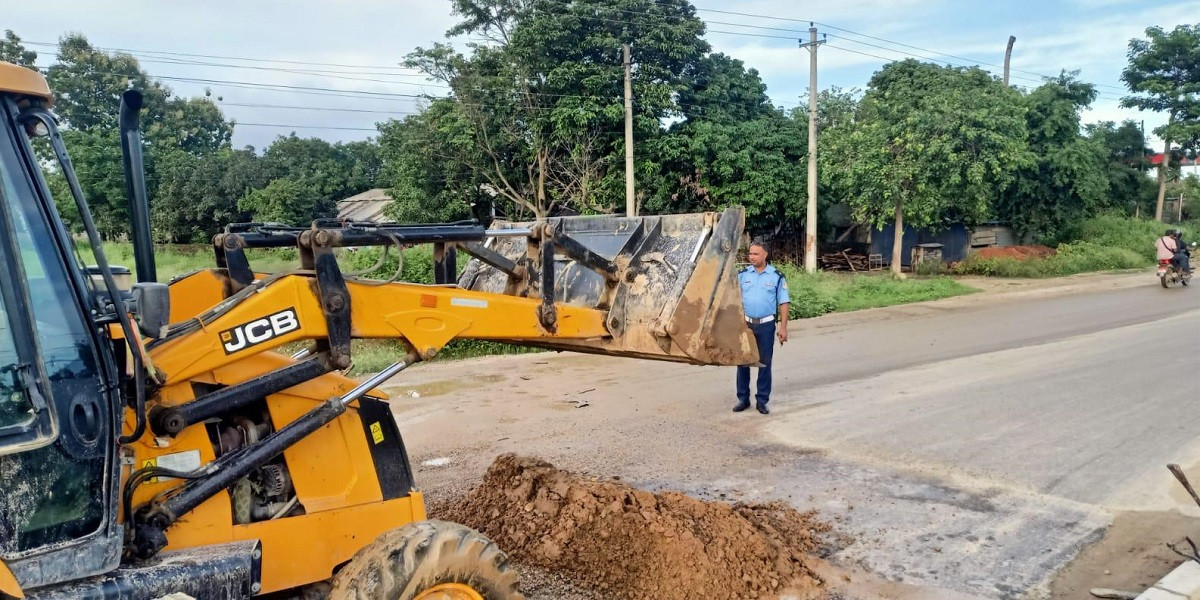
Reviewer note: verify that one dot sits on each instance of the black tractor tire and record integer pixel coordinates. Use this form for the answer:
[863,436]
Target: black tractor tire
[405,563]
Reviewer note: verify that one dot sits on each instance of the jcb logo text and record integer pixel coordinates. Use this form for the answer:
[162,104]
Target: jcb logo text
[259,330]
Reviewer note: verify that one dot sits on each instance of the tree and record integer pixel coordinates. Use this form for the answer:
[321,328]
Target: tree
[88,84]
[756,163]
[96,156]
[1125,147]
[932,144]
[421,167]
[285,201]
[366,164]
[194,125]
[1164,73]
[13,51]
[197,196]
[1065,179]
[721,90]
[541,101]
[1187,186]
[330,171]
[733,147]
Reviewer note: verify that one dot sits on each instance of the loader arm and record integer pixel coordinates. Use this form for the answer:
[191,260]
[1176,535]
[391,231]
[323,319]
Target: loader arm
[660,288]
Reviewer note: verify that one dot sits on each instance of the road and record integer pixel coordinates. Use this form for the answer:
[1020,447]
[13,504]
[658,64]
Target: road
[971,447]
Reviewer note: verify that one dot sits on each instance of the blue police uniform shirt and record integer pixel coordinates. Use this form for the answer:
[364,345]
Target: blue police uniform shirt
[762,293]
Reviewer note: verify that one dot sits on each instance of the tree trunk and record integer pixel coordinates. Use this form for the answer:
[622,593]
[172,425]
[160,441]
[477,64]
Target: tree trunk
[898,240]
[1162,180]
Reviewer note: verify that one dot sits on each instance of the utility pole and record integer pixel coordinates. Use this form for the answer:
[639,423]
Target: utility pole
[810,219]
[1012,39]
[630,203]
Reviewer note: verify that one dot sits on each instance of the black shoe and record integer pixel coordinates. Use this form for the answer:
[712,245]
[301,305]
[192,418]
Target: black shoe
[740,406]
[762,408]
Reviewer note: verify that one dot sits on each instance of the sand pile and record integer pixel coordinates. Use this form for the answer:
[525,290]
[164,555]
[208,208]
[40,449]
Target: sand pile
[634,544]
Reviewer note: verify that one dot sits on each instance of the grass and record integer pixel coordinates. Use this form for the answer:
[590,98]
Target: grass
[174,260]
[823,292]
[1103,243]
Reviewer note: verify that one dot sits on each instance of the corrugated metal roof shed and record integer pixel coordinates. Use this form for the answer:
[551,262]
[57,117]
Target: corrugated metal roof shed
[367,206]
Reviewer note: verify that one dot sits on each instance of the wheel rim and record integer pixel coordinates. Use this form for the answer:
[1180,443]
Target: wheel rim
[450,591]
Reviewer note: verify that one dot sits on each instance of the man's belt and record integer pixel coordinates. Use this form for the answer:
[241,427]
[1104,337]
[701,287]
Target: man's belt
[760,321]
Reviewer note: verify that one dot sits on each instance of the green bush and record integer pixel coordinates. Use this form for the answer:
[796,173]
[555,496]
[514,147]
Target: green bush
[874,291]
[1129,233]
[1102,243]
[1077,257]
[808,300]
[822,293]
[417,267]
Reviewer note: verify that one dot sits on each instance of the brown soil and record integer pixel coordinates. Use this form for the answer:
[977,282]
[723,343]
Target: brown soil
[1131,556]
[1017,252]
[632,544]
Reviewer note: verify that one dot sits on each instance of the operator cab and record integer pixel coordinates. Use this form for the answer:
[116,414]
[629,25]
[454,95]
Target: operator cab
[59,370]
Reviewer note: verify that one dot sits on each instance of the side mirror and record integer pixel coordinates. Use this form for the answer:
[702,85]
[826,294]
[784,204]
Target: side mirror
[152,308]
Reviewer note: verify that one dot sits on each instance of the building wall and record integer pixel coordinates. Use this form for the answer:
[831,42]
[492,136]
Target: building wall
[955,240]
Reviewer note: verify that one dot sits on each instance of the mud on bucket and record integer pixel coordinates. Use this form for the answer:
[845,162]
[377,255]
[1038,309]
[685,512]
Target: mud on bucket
[667,283]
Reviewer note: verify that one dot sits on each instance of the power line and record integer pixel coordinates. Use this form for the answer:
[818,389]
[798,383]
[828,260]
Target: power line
[355,94]
[1099,94]
[281,126]
[826,25]
[868,36]
[241,58]
[348,78]
[320,108]
[884,58]
[1038,81]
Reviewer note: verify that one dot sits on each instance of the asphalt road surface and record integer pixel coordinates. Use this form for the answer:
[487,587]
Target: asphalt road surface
[968,447]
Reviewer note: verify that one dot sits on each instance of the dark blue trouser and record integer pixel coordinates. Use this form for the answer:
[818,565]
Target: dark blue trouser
[1182,261]
[764,334]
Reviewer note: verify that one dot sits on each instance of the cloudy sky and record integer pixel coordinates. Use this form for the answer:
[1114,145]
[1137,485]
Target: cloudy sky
[345,55]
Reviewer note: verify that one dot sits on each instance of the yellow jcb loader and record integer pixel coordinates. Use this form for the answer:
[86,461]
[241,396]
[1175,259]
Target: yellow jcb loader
[155,440]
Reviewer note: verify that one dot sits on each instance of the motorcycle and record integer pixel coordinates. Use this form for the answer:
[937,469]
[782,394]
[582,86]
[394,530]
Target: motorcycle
[1168,274]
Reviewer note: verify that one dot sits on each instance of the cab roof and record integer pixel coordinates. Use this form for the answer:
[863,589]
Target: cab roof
[24,82]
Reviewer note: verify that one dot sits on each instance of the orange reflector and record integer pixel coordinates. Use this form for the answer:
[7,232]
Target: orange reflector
[428,301]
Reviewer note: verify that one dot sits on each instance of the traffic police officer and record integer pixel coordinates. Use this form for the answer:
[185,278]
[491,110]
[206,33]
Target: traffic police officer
[765,300]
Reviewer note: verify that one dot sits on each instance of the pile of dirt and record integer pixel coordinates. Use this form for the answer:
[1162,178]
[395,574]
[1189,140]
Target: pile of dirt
[634,544]
[1017,252]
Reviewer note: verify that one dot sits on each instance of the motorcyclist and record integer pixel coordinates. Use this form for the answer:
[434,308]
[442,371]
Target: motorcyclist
[1182,258]
[1167,246]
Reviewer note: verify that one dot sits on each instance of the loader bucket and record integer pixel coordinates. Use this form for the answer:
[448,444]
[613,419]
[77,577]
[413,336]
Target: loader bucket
[666,283]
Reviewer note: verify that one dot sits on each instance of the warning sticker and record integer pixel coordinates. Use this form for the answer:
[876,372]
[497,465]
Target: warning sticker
[377,432]
[179,461]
